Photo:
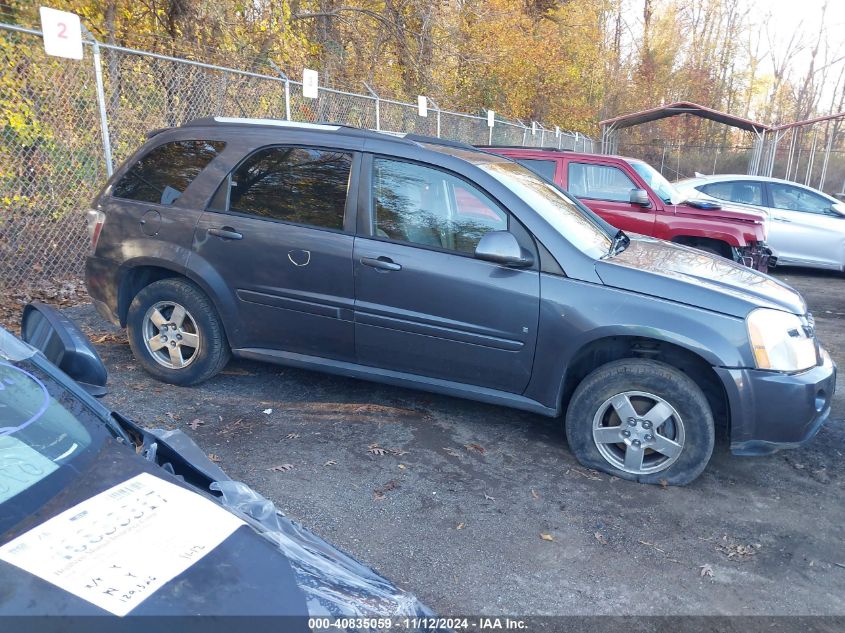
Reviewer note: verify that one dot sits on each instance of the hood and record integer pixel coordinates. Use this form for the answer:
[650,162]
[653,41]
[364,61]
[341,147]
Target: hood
[686,275]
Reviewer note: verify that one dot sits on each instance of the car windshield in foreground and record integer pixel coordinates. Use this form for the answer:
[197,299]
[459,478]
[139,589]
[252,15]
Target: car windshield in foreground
[45,435]
[553,205]
[657,182]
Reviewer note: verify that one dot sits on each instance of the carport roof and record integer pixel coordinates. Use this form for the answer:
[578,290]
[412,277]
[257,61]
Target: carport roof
[683,107]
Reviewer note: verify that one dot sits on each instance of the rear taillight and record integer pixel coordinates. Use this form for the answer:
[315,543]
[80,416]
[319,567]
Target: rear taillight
[96,219]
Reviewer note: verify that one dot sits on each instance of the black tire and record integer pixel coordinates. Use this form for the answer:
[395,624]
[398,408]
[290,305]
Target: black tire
[652,378]
[212,350]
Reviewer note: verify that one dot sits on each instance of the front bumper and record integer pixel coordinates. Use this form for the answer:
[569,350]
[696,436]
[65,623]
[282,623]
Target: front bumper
[757,256]
[770,411]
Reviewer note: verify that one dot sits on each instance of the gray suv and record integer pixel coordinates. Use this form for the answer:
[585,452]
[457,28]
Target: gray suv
[429,264]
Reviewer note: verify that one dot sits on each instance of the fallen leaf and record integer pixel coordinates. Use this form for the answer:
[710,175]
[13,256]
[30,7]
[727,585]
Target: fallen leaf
[534,494]
[706,571]
[215,458]
[476,448]
[331,462]
[488,497]
[195,424]
[600,538]
[664,484]
[281,468]
[451,451]
[291,436]
[459,526]
[398,451]
[375,449]
[267,411]
[402,466]
[547,537]
[378,493]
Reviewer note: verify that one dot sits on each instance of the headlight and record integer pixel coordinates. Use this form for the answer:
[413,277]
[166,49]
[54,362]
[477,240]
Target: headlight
[779,341]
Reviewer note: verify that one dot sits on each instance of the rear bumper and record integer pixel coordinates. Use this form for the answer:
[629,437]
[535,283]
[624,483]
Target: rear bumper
[101,283]
[770,411]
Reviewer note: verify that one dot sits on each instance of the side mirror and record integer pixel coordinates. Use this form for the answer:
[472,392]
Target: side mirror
[838,208]
[502,248]
[64,345]
[640,198]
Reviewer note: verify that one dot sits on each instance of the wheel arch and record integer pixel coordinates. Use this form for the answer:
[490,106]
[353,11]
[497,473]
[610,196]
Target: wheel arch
[604,350]
[140,273]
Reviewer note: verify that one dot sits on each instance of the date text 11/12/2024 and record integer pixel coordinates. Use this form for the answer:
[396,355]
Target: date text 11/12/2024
[433,623]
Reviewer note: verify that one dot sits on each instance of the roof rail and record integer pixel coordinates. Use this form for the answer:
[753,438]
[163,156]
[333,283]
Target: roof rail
[527,147]
[434,140]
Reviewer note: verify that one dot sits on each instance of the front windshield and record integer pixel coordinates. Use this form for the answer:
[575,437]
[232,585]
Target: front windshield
[553,205]
[44,434]
[657,182]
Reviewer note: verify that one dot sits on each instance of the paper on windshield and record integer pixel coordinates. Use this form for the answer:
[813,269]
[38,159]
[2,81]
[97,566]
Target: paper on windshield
[119,547]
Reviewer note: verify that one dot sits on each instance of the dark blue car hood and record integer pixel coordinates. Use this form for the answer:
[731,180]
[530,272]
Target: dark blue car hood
[686,275]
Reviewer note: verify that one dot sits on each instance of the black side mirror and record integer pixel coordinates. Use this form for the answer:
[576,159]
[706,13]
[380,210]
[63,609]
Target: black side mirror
[640,198]
[503,248]
[64,345]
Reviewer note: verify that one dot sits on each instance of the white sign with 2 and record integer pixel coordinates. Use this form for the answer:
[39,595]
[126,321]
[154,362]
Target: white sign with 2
[62,33]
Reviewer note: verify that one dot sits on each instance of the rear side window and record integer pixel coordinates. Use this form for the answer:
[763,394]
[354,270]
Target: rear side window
[544,168]
[741,191]
[599,182]
[289,184]
[163,173]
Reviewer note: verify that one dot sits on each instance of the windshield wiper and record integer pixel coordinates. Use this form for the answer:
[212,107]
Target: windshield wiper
[619,243]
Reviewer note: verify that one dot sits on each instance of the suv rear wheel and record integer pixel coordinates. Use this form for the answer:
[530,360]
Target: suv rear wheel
[175,333]
[641,420]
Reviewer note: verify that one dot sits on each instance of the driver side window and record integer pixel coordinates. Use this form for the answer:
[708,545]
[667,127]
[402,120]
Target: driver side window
[428,207]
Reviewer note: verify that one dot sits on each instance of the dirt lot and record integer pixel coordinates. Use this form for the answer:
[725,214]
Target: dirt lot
[450,498]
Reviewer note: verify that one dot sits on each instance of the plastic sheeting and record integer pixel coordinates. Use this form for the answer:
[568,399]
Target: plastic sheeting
[334,584]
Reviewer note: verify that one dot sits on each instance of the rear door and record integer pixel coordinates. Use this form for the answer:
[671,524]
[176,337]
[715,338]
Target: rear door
[606,189]
[152,199]
[279,231]
[424,305]
[802,228]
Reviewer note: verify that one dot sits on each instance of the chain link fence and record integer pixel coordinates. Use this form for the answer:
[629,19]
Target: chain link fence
[62,133]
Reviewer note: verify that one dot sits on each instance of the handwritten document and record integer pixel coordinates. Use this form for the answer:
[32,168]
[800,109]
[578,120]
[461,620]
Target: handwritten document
[120,546]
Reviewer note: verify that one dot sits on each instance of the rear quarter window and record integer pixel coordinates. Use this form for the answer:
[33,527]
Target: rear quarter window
[163,173]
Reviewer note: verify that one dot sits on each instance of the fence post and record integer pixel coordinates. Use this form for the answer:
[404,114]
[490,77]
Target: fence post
[101,100]
[524,131]
[436,107]
[378,105]
[284,76]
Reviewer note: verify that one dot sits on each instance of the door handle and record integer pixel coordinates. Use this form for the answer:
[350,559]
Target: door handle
[226,232]
[382,263]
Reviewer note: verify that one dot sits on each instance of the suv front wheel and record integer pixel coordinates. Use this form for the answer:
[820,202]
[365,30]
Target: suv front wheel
[641,420]
[175,333]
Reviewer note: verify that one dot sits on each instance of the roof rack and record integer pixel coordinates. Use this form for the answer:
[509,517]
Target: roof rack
[327,127]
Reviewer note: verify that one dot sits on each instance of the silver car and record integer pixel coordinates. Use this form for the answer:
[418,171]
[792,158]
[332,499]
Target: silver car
[806,226]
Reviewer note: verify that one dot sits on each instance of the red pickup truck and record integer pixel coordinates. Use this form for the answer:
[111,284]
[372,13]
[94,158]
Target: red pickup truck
[631,195]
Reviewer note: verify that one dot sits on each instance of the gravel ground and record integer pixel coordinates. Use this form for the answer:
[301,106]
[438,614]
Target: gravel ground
[451,499]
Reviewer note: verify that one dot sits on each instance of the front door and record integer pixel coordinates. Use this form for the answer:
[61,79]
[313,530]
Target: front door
[279,234]
[802,227]
[423,304]
[606,189]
